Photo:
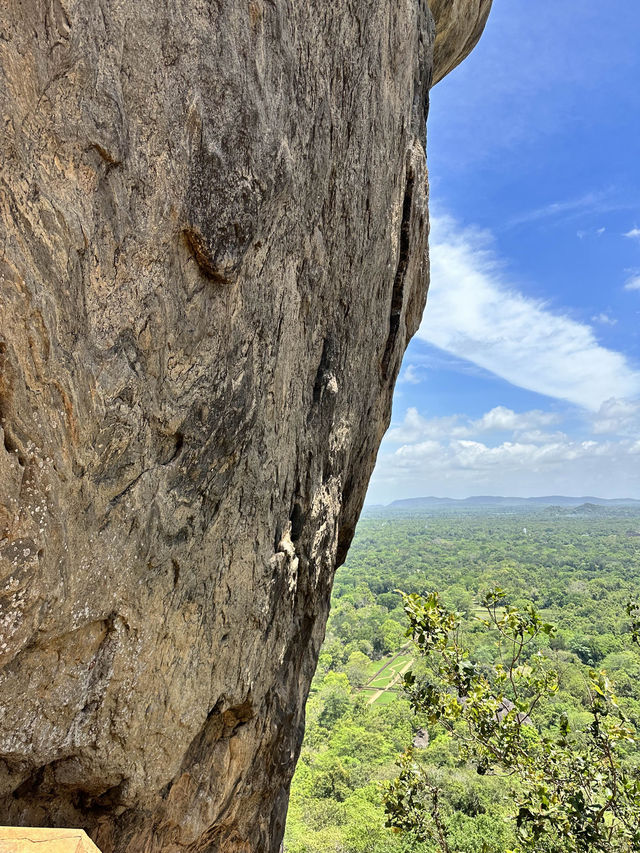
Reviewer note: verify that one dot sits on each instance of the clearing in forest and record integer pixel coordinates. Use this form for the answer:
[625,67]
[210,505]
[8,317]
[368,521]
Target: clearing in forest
[386,680]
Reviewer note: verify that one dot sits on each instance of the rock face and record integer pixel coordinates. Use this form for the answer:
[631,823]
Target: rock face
[459,26]
[213,220]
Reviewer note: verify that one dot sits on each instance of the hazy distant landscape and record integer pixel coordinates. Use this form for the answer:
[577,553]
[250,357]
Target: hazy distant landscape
[497,500]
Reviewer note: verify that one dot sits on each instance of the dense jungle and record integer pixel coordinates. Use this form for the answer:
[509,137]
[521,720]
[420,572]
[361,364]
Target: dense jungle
[577,565]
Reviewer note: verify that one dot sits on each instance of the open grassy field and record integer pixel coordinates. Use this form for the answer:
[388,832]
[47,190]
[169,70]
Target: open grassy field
[385,681]
[384,678]
[385,698]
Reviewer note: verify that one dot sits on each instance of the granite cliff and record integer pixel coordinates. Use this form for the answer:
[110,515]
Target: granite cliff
[213,221]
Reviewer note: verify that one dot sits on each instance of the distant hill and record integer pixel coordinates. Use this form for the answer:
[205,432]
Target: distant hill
[496,500]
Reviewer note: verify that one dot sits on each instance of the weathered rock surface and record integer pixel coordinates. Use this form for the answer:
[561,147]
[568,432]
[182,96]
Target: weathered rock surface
[459,25]
[214,251]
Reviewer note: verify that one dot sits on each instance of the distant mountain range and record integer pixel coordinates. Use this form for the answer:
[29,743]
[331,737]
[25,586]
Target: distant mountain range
[496,500]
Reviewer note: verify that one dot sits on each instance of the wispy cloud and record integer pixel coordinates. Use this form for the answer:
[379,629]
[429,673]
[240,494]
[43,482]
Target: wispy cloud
[634,234]
[475,313]
[412,375]
[590,232]
[633,283]
[588,202]
[604,319]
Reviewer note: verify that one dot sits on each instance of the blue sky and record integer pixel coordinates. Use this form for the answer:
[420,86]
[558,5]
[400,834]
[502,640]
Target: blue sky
[524,378]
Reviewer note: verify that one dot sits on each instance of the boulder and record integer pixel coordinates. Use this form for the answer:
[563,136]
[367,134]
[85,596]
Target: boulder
[213,220]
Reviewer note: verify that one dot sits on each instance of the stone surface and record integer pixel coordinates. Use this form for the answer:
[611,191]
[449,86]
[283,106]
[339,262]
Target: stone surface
[213,221]
[421,739]
[459,25]
[30,839]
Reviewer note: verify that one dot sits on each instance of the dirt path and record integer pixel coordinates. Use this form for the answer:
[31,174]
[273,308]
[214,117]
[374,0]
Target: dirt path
[392,683]
[401,651]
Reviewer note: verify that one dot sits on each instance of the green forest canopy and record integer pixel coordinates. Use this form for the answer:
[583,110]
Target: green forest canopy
[578,566]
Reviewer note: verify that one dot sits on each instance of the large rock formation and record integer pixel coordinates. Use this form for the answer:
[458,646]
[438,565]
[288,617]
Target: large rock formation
[459,26]
[214,253]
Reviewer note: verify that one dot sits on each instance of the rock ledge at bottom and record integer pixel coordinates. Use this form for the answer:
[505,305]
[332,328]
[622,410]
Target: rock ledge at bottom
[25,839]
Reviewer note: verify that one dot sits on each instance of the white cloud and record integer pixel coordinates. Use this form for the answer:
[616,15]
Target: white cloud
[415,427]
[586,233]
[633,283]
[605,319]
[618,417]
[583,203]
[475,314]
[411,374]
[539,436]
[634,234]
[550,465]
[501,418]
[511,453]
[477,456]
